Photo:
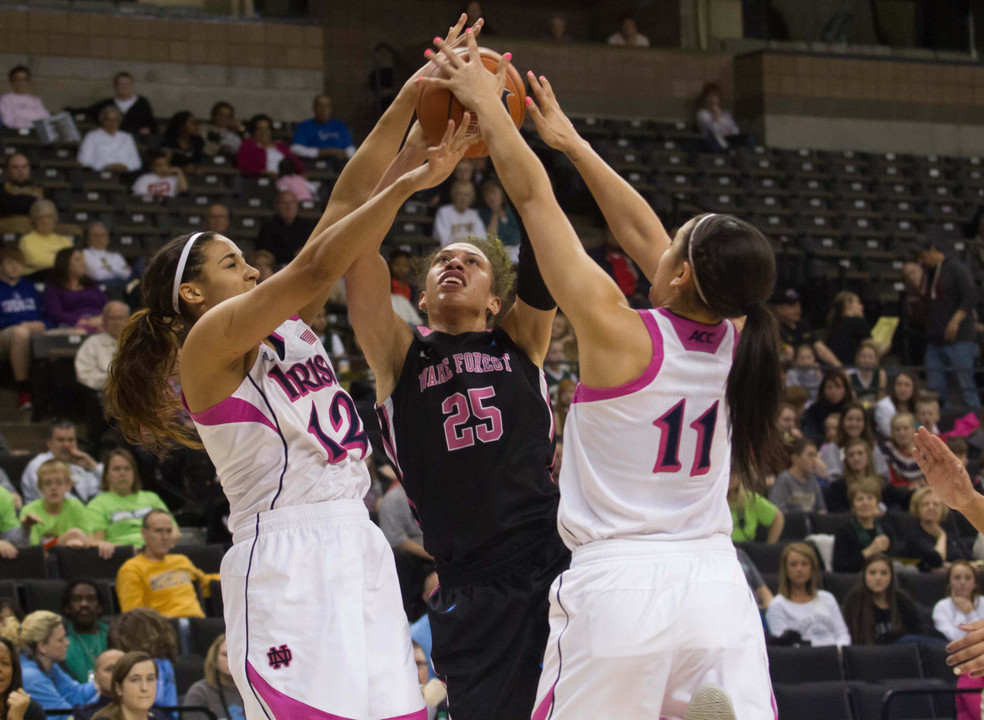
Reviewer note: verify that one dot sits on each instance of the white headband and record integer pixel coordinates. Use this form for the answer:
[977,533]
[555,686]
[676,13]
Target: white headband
[690,255]
[179,273]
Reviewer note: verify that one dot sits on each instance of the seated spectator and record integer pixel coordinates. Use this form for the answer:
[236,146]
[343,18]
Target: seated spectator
[163,180]
[433,691]
[557,29]
[833,397]
[72,299]
[137,115]
[847,328]
[145,630]
[474,10]
[628,34]
[788,423]
[265,264]
[867,380]
[17,194]
[10,609]
[63,445]
[403,534]
[420,629]
[42,641]
[16,704]
[102,265]
[135,679]
[15,533]
[223,133]
[157,579]
[217,691]
[291,179]
[800,606]
[41,244]
[108,147]
[20,318]
[857,464]
[877,612]
[459,220]
[182,140]
[103,679]
[18,107]
[557,367]
[853,425]
[86,633]
[622,269]
[399,269]
[805,371]
[963,603]
[864,535]
[323,136]
[928,414]
[904,475]
[798,487]
[718,129]
[901,398]
[57,519]
[217,219]
[285,233]
[793,330]
[260,154]
[932,542]
[752,515]
[499,218]
[117,512]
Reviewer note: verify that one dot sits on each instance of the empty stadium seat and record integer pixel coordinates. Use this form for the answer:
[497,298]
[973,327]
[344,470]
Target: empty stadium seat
[203,632]
[839,584]
[74,563]
[29,564]
[875,663]
[814,701]
[804,664]
[188,669]
[765,556]
[925,588]
[205,557]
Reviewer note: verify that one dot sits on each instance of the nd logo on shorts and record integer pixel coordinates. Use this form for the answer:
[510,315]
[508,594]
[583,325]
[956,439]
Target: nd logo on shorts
[279,656]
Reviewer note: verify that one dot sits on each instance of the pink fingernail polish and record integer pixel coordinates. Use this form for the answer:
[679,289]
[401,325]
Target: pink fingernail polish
[467,30]
[436,40]
[529,100]
[508,56]
[428,52]
[542,78]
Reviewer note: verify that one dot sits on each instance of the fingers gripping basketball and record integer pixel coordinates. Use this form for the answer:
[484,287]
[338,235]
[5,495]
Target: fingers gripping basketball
[435,106]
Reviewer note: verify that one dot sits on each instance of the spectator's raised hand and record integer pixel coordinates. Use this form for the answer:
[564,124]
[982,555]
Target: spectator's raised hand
[943,470]
[7,550]
[17,703]
[105,549]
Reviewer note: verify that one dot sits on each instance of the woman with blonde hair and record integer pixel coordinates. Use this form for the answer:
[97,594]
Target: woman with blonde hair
[146,630]
[217,690]
[132,690]
[41,244]
[42,642]
[929,541]
[801,606]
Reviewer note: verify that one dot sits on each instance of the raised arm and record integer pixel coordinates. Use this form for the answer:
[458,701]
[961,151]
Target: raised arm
[614,346]
[634,224]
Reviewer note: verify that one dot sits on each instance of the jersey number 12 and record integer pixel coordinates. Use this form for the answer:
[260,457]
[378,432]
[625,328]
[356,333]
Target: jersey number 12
[671,435]
[462,408]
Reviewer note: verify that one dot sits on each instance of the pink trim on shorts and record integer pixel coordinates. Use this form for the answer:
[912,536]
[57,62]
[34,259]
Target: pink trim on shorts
[584,393]
[232,410]
[543,709]
[287,708]
[686,329]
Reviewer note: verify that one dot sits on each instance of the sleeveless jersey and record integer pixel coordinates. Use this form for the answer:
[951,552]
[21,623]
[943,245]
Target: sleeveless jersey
[289,434]
[651,459]
[470,431]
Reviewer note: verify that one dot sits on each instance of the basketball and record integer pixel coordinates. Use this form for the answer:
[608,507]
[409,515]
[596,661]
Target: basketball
[435,106]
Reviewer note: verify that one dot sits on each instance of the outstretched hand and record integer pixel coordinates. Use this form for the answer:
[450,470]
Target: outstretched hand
[966,655]
[443,158]
[943,470]
[555,129]
[468,78]
[453,39]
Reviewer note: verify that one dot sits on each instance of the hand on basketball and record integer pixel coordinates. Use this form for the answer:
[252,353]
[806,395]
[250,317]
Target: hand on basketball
[442,159]
[943,470]
[467,77]
[967,653]
[554,127]
[453,39]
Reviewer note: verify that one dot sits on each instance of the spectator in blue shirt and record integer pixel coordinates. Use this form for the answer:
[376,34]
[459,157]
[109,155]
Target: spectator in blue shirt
[20,318]
[420,631]
[323,136]
[43,645]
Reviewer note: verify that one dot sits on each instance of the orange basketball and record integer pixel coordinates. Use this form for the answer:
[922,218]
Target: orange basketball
[435,106]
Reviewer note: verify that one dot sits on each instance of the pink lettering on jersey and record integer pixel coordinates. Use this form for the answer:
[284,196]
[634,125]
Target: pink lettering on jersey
[434,375]
[479,362]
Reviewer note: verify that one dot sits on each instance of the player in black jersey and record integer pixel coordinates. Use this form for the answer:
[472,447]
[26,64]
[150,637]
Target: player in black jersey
[466,420]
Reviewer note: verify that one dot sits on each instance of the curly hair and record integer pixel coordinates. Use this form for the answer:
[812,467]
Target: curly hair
[145,630]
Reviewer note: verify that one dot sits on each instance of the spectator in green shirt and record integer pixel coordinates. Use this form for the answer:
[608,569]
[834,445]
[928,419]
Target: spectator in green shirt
[82,608]
[13,531]
[750,512]
[117,513]
[57,519]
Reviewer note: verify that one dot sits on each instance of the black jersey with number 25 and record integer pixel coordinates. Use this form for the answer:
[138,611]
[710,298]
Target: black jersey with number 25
[470,431]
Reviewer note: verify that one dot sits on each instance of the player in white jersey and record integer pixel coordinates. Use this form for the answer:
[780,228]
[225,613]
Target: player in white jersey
[654,609]
[314,619]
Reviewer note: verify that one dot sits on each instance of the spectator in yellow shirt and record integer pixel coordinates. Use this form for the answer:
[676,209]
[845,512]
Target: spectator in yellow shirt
[42,243]
[160,580]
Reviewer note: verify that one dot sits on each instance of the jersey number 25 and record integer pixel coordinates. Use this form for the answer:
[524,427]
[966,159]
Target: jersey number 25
[458,430]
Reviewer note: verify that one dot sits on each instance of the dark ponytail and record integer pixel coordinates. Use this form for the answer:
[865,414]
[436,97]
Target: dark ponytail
[735,269]
[138,392]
